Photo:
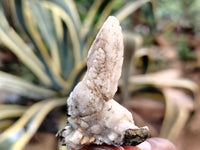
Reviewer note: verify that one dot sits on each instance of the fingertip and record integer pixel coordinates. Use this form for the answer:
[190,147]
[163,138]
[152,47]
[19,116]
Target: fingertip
[102,147]
[107,147]
[82,148]
[144,146]
[160,143]
[131,148]
[149,144]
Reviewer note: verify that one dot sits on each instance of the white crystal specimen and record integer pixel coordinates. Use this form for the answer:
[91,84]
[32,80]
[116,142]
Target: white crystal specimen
[95,118]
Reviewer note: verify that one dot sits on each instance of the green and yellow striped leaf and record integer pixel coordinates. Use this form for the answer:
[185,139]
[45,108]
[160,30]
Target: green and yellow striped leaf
[176,83]
[11,111]
[66,15]
[19,134]
[89,20]
[12,40]
[19,86]
[129,8]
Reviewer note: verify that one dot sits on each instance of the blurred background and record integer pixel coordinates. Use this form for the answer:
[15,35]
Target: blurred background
[43,51]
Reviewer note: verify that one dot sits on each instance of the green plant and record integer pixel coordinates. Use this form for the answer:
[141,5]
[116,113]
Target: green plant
[185,52]
[184,13]
[48,37]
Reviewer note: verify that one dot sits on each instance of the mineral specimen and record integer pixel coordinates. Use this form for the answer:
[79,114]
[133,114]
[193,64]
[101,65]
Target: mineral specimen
[94,117]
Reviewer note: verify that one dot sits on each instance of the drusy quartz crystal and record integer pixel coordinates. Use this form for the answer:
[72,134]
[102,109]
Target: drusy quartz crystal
[94,116]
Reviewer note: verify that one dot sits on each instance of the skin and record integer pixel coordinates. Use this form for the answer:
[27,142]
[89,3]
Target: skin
[149,144]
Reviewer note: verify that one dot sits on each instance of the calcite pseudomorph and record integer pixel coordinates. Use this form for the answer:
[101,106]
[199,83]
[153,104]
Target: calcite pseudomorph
[94,117]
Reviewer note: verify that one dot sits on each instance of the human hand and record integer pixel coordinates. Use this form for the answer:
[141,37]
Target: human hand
[149,144]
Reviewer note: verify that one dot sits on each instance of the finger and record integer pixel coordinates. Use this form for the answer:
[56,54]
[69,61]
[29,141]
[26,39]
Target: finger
[93,147]
[102,147]
[145,146]
[156,144]
[131,148]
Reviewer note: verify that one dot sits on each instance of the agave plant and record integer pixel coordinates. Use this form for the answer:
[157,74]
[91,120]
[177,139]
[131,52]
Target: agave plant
[48,37]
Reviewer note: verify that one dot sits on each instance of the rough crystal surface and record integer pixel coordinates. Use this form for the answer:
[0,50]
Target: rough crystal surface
[95,118]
